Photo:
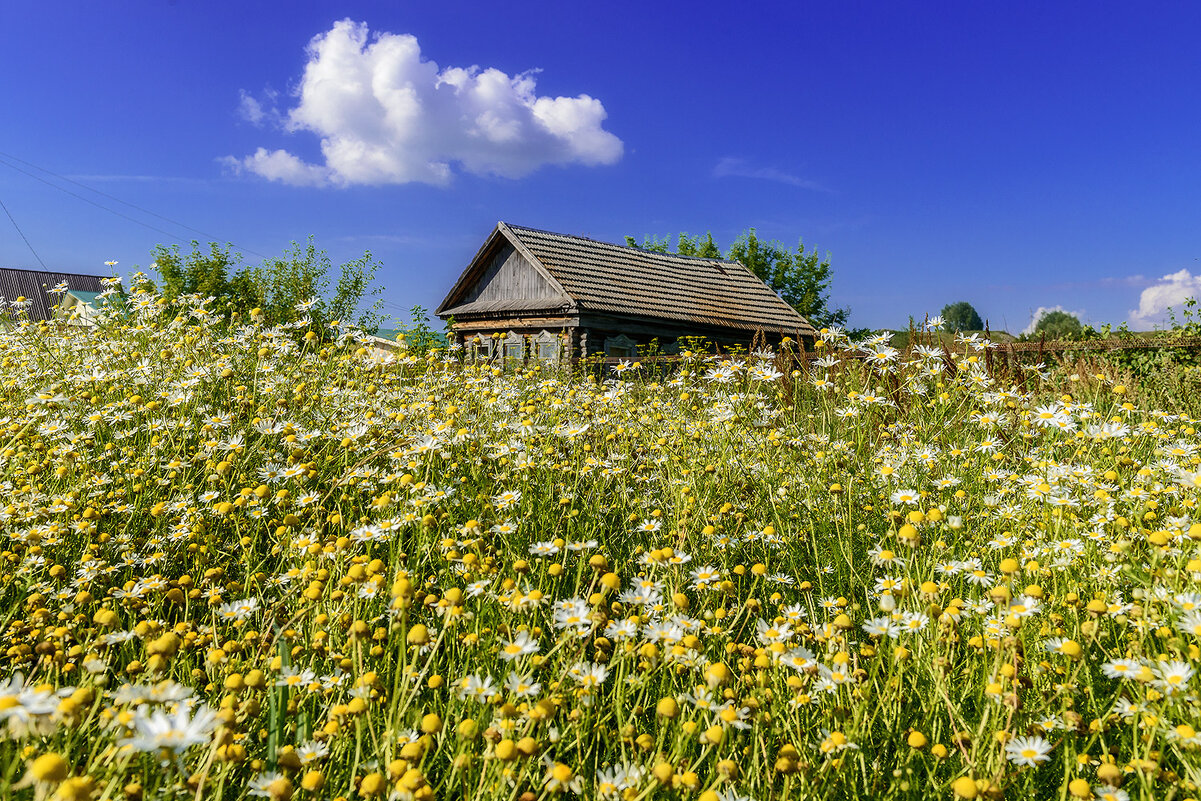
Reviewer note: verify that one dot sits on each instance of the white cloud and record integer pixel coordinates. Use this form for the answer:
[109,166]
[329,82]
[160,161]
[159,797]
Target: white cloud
[1042,310]
[280,165]
[1170,291]
[251,110]
[385,115]
[260,113]
[730,167]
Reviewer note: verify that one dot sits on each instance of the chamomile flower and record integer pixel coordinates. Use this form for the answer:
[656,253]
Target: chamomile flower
[1028,751]
[156,730]
[521,645]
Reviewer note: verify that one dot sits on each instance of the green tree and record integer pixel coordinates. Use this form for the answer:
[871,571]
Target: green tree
[1058,324]
[704,248]
[299,283]
[284,289]
[801,278]
[961,316]
[653,244]
[701,247]
[290,281]
[419,336]
[205,271]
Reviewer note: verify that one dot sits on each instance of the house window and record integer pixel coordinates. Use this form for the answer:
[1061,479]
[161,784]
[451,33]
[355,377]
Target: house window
[483,348]
[514,348]
[620,346]
[547,347]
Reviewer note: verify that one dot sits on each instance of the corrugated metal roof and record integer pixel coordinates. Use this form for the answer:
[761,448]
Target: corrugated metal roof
[33,285]
[618,279]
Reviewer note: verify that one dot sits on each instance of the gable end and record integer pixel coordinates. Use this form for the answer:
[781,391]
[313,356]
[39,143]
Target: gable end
[504,277]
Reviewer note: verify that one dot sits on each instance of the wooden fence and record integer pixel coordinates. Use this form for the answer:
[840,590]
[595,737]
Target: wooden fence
[1110,344]
[995,348]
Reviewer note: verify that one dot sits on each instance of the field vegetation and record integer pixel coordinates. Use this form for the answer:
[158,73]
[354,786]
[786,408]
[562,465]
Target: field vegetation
[254,560]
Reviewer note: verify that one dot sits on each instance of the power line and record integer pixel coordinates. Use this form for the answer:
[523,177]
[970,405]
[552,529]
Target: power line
[105,194]
[113,198]
[22,233]
[92,202]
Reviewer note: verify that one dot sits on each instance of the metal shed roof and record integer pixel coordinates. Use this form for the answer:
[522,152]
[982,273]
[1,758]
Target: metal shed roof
[33,285]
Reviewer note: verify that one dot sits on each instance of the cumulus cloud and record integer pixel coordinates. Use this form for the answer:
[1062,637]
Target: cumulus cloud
[1043,310]
[280,165]
[386,115]
[731,167]
[1170,291]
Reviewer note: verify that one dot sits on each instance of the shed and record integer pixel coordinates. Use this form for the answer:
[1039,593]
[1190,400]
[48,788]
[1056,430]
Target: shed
[535,294]
[83,291]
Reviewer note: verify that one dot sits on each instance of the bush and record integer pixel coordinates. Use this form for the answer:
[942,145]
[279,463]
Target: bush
[282,291]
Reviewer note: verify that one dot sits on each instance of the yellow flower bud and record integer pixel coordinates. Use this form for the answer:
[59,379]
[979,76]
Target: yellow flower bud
[965,787]
[418,635]
[413,779]
[313,781]
[49,768]
[373,784]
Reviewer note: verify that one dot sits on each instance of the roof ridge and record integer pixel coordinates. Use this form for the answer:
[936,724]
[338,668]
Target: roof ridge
[54,272]
[634,248]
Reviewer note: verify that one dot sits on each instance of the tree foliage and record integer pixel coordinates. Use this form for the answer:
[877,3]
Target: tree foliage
[205,271]
[801,278]
[961,316]
[419,336]
[1058,324]
[282,290]
[698,246]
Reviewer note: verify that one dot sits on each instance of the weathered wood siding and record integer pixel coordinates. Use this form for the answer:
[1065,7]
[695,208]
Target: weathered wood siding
[510,276]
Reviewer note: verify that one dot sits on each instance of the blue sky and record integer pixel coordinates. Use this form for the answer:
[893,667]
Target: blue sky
[1016,155]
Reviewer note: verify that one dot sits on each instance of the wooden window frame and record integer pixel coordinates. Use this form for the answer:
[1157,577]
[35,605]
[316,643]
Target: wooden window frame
[513,340]
[555,341]
[621,342]
[482,347]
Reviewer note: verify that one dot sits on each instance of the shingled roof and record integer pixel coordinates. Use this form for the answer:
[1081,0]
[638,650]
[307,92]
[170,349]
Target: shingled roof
[584,275]
[33,285]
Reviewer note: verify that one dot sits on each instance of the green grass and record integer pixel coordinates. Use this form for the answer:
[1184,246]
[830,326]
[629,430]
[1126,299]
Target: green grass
[737,580]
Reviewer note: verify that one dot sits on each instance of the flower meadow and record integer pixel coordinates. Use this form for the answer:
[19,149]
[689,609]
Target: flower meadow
[248,561]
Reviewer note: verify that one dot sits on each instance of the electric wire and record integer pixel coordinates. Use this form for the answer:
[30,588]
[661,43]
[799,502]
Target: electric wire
[5,159]
[92,202]
[22,233]
[11,157]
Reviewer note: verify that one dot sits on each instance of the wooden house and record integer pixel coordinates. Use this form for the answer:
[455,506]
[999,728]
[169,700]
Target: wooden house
[531,294]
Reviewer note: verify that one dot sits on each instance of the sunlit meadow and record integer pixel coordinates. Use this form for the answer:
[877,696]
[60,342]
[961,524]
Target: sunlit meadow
[246,561]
